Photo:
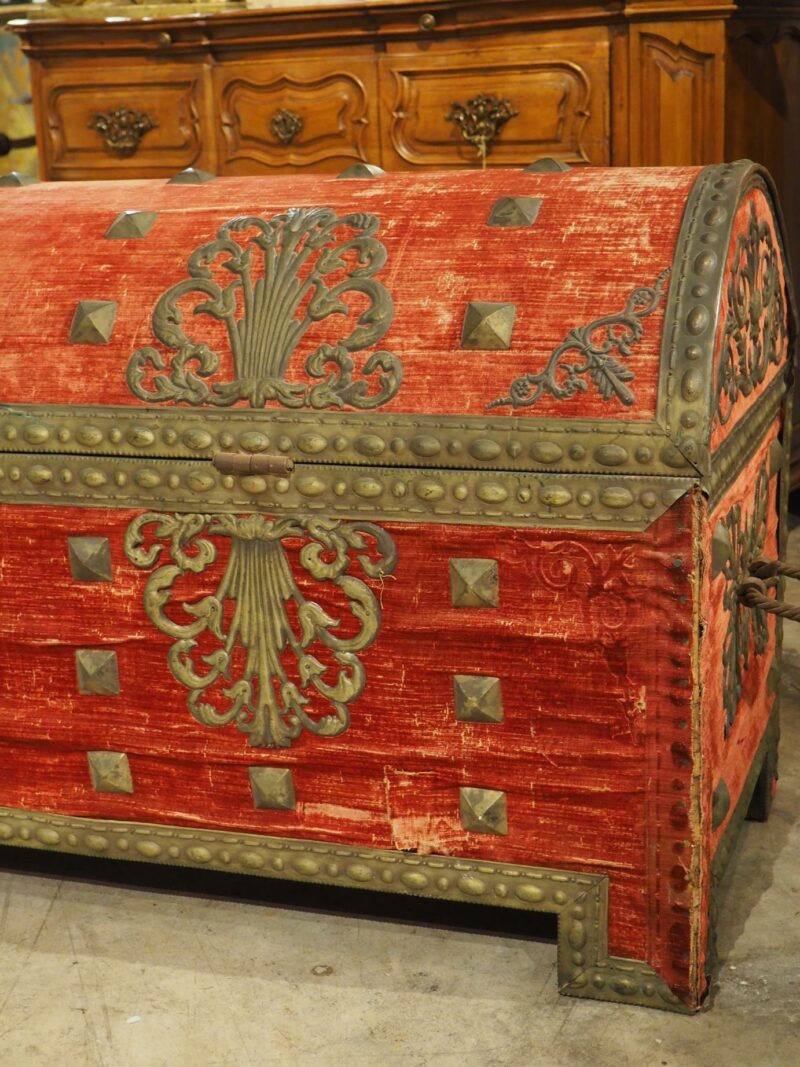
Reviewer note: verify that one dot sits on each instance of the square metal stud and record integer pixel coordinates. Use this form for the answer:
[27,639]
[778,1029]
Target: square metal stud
[474,583]
[16,177]
[547,165]
[90,559]
[272,788]
[93,322]
[483,810]
[362,170]
[488,327]
[98,673]
[191,176]
[110,772]
[478,698]
[131,225]
[514,211]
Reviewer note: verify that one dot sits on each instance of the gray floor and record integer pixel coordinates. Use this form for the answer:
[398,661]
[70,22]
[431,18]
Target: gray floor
[142,970]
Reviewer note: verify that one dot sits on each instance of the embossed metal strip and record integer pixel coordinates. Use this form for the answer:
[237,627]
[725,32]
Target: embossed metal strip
[579,900]
[738,449]
[686,386]
[496,442]
[402,494]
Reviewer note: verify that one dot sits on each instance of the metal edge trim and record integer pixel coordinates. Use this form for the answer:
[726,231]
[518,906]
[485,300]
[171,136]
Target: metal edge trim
[686,382]
[399,494]
[738,448]
[380,439]
[579,900]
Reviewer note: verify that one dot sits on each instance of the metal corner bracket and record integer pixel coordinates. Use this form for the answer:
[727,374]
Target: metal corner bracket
[579,900]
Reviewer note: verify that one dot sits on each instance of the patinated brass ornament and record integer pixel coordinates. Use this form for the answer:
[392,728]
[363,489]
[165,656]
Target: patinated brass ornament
[289,272]
[480,120]
[593,346]
[228,649]
[739,540]
[110,772]
[122,129]
[484,811]
[755,333]
[285,125]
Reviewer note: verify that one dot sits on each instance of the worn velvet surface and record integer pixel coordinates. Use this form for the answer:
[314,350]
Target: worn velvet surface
[590,641]
[599,235]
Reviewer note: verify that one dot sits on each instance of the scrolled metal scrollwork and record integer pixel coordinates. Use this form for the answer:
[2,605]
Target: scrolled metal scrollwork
[756,329]
[282,271]
[233,648]
[480,120]
[593,345]
[285,125]
[122,129]
[739,540]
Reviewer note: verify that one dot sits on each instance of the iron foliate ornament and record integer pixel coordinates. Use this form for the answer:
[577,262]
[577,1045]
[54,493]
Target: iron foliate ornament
[756,323]
[586,352]
[288,273]
[739,540]
[248,652]
[122,129]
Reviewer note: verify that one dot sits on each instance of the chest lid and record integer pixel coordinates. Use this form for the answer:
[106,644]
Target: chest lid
[587,323]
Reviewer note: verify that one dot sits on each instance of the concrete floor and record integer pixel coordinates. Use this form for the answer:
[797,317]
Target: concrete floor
[139,966]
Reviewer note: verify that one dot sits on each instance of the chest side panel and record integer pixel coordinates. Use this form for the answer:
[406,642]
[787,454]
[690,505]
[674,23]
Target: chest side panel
[536,672]
[752,344]
[739,644]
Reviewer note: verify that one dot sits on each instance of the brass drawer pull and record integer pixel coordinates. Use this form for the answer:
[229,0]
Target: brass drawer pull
[285,125]
[480,120]
[427,22]
[122,129]
[244,463]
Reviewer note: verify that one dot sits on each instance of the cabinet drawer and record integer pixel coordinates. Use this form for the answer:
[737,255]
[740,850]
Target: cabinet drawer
[557,97]
[302,112]
[141,121]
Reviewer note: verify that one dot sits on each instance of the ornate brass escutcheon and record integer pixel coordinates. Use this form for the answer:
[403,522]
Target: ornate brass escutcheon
[480,120]
[122,129]
[285,125]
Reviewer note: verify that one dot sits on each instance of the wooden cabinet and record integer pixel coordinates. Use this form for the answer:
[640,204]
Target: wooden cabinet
[125,121]
[400,83]
[557,97]
[323,114]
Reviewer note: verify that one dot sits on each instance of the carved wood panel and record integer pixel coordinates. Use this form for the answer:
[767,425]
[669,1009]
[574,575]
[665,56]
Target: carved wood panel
[75,144]
[559,96]
[278,116]
[677,103]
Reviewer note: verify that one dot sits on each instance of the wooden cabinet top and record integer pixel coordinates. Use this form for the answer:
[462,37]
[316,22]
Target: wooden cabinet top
[336,22]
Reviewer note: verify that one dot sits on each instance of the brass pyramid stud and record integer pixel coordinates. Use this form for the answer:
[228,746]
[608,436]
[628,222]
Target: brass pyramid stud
[474,583]
[514,211]
[90,559]
[483,810]
[488,326]
[547,165]
[272,788]
[478,698]
[131,225]
[17,178]
[721,550]
[191,176]
[93,322]
[362,170]
[110,771]
[98,673]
